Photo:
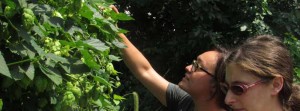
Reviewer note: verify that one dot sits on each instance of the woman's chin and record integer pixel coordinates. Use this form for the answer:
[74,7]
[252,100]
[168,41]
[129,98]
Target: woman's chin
[182,85]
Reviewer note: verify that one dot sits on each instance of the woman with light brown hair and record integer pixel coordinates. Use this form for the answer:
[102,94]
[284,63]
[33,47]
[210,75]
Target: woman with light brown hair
[259,77]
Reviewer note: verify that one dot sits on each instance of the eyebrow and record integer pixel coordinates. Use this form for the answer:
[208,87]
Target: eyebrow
[201,63]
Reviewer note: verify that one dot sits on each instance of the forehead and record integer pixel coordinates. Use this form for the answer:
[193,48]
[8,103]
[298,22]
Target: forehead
[208,59]
[235,74]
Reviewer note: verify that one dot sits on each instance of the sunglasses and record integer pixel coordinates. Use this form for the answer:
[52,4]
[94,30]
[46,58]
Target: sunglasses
[196,66]
[239,89]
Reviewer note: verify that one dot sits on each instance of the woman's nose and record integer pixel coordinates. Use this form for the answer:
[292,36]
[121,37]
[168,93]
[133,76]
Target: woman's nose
[229,99]
[188,68]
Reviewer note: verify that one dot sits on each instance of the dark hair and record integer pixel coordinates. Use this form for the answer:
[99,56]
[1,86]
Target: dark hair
[220,76]
[266,57]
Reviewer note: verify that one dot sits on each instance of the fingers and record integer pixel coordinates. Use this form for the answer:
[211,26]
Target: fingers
[114,8]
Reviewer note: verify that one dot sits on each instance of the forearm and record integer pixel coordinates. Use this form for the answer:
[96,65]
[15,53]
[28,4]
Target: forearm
[133,58]
[143,71]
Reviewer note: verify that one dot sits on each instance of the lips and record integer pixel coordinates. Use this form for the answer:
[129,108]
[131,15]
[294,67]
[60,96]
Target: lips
[239,110]
[186,76]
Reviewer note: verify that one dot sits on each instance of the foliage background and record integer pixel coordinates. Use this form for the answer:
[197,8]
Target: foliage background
[171,33]
[57,55]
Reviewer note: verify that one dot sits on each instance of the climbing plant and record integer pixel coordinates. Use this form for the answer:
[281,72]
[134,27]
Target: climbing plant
[59,54]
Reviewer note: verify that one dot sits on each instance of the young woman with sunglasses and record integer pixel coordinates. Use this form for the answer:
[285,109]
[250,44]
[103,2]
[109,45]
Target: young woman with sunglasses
[259,77]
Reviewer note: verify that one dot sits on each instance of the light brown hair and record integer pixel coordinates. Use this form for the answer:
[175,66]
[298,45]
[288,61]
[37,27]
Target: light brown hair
[266,57]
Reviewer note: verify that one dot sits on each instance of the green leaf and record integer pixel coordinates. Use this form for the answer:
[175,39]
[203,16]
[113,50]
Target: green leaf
[23,3]
[121,16]
[17,73]
[98,103]
[75,66]
[38,31]
[89,60]
[72,44]
[114,58]
[111,26]
[52,73]
[55,21]
[10,3]
[30,40]
[297,74]
[57,58]
[123,31]
[1,104]
[105,102]
[39,50]
[101,80]
[22,49]
[30,71]
[29,50]
[74,29]
[25,35]
[18,49]
[4,69]
[117,102]
[42,9]
[119,44]
[297,71]
[97,44]
[86,12]
[118,97]
[96,13]
[53,100]
[50,62]
[107,3]
[24,83]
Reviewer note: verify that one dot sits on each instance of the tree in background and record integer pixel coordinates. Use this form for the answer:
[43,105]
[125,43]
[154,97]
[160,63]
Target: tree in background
[172,32]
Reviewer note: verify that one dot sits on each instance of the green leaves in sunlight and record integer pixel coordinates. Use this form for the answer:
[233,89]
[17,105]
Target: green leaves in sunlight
[96,44]
[56,54]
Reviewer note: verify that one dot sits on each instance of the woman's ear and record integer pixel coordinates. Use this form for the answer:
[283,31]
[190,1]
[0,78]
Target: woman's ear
[277,85]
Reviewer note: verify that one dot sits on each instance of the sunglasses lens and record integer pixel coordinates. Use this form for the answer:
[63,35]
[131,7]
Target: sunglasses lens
[238,90]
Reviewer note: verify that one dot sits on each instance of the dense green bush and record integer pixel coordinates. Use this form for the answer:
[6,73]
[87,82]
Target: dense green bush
[58,54]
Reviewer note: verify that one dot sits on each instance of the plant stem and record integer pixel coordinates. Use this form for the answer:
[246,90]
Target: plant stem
[135,101]
[12,25]
[22,61]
